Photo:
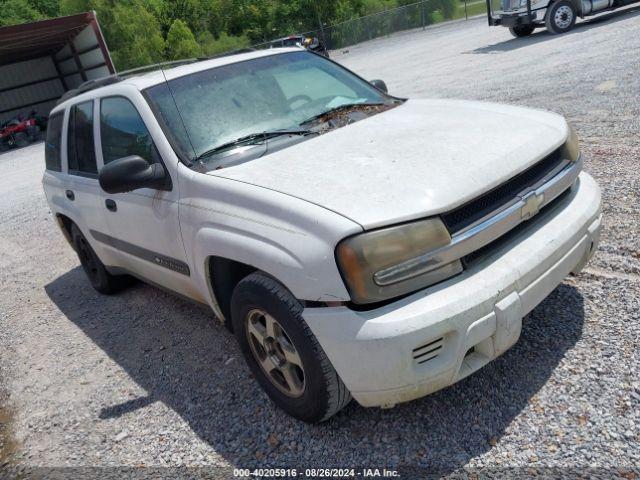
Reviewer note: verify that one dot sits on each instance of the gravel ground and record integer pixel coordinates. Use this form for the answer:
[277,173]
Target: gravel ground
[146,379]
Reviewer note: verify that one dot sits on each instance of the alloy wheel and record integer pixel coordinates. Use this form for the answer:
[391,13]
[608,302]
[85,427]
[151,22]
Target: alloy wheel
[275,353]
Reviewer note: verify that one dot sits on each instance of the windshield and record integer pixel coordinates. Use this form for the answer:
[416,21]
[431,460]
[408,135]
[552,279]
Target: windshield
[280,91]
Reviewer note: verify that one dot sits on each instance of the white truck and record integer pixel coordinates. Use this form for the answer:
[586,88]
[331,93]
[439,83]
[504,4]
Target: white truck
[357,244]
[522,17]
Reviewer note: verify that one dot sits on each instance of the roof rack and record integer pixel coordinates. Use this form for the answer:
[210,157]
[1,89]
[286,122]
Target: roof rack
[87,86]
[120,76]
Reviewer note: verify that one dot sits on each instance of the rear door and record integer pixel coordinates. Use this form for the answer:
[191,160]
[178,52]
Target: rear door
[54,180]
[82,194]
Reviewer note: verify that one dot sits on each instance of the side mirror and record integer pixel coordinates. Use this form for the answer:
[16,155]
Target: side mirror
[380,85]
[130,173]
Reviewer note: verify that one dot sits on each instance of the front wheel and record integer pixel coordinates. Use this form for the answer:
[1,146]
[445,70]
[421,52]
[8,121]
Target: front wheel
[522,30]
[282,352]
[561,17]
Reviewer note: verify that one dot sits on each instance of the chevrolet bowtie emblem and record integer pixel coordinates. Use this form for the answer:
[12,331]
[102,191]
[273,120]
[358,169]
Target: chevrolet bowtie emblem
[532,202]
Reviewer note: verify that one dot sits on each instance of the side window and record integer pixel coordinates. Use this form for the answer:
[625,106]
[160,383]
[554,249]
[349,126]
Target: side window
[123,131]
[53,142]
[81,154]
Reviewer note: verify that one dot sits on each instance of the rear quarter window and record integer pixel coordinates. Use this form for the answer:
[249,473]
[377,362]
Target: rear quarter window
[53,142]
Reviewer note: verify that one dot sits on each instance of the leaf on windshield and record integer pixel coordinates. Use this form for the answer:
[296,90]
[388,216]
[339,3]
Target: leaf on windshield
[340,118]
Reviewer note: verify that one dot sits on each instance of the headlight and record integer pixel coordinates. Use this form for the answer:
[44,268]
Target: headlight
[387,263]
[571,148]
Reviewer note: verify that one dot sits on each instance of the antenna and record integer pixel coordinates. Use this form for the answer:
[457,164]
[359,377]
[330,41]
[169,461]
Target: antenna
[179,112]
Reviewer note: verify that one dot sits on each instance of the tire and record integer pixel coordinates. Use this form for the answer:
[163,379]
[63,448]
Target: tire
[20,140]
[561,17]
[314,391]
[522,30]
[95,270]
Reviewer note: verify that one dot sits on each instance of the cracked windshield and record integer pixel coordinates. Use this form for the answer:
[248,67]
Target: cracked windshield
[247,102]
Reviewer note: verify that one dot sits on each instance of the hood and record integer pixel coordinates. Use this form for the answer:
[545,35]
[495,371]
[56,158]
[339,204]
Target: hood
[421,158]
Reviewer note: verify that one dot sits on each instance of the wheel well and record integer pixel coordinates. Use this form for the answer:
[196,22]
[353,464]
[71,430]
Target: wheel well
[224,275]
[577,5]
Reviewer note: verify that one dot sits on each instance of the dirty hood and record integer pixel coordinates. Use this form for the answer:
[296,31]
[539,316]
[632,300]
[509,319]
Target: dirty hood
[421,158]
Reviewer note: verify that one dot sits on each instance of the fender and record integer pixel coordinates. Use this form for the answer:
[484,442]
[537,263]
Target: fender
[288,238]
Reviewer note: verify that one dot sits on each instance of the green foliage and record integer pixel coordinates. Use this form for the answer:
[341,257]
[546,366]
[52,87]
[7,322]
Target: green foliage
[224,43]
[133,35]
[180,42]
[48,8]
[18,11]
[447,8]
[374,6]
[140,32]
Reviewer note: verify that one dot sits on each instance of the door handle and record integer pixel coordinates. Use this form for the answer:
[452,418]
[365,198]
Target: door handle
[70,195]
[111,205]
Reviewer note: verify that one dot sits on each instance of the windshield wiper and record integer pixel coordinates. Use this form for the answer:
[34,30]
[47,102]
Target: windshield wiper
[337,109]
[253,137]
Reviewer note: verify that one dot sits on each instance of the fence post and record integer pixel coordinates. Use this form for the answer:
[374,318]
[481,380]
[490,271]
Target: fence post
[466,17]
[423,14]
[324,40]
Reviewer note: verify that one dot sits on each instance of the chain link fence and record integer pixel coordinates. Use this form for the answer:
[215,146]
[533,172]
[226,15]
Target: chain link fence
[384,23]
[351,32]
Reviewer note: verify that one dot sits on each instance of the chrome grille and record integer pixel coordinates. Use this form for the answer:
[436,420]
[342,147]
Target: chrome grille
[501,196]
[487,249]
[496,223]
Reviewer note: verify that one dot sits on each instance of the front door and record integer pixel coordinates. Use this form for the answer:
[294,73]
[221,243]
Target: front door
[143,227]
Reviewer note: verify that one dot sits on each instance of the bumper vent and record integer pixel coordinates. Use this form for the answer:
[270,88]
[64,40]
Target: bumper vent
[428,351]
[470,212]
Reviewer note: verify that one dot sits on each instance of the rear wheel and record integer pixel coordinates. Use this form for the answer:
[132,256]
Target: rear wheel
[95,270]
[282,352]
[561,17]
[522,30]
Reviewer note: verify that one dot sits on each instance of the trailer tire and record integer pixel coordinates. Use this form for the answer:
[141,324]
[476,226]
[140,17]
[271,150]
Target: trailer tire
[561,17]
[33,131]
[20,140]
[522,30]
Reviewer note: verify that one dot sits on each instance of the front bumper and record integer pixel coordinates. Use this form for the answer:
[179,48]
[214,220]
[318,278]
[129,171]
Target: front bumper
[435,337]
[513,19]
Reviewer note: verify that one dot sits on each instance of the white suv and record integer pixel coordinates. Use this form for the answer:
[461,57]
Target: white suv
[359,245]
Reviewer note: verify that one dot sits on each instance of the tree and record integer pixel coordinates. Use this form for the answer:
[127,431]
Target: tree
[13,12]
[225,43]
[48,8]
[180,42]
[140,32]
[134,36]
